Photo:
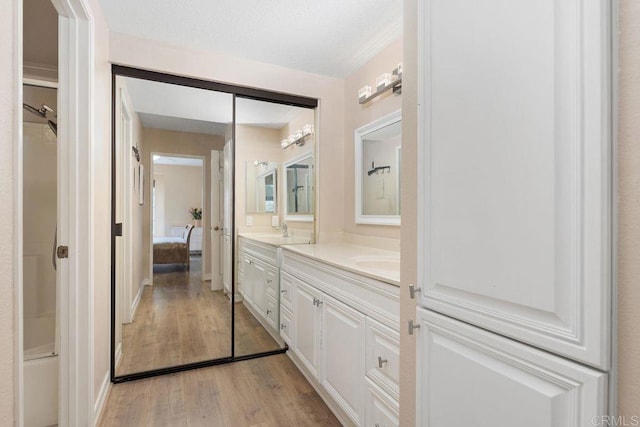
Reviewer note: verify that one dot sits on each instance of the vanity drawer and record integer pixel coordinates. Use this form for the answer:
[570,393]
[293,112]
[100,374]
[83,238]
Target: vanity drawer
[381,410]
[383,356]
[271,312]
[286,291]
[286,324]
[271,278]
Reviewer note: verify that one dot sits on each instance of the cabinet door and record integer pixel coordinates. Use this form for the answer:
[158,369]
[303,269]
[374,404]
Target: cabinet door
[470,377]
[259,286]
[306,328]
[381,409]
[515,169]
[248,274]
[343,355]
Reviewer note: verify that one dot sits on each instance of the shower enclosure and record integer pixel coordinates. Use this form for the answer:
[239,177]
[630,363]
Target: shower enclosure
[39,237]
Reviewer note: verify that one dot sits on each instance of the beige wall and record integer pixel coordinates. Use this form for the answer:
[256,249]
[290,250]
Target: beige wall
[629,209]
[409,236]
[220,67]
[183,189]
[9,116]
[357,115]
[255,143]
[171,142]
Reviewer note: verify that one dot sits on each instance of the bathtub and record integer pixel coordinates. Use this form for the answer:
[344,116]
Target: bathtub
[40,372]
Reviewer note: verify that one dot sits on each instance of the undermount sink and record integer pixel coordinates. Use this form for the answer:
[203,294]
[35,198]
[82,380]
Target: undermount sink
[379,264]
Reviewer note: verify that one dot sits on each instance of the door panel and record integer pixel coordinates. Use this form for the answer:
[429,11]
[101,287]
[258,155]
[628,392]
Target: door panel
[471,377]
[306,327]
[343,355]
[516,183]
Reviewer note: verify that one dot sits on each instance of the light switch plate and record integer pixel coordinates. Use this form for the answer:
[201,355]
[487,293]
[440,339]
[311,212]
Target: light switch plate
[249,221]
[275,221]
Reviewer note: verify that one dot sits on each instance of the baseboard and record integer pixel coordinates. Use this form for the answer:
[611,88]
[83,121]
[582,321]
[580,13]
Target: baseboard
[328,400]
[136,301]
[146,282]
[118,354]
[98,407]
[206,277]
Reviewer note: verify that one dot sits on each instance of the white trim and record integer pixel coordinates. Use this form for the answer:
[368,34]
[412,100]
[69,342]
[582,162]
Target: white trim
[380,123]
[206,277]
[136,300]
[204,186]
[105,390]
[298,218]
[39,83]
[118,355]
[76,214]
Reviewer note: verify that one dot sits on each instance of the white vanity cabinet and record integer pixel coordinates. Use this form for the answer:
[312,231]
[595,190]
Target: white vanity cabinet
[343,333]
[259,281]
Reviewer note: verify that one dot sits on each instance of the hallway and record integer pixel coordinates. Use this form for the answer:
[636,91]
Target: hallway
[269,391]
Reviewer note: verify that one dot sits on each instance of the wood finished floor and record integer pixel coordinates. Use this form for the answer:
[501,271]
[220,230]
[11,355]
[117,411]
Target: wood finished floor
[179,320]
[265,392]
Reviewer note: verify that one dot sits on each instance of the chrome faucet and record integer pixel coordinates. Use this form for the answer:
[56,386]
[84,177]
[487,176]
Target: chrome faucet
[285,230]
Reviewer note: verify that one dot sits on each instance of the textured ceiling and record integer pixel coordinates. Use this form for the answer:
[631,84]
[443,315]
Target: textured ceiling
[330,37]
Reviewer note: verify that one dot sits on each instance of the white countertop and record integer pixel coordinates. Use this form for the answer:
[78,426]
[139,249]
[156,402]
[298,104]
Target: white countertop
[275,239]
[375,263]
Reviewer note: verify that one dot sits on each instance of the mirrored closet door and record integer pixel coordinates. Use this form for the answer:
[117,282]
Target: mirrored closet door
[200,212]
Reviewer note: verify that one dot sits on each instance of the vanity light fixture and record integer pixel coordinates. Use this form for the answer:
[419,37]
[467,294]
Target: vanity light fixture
[384,82]
[298,137]
[257,163]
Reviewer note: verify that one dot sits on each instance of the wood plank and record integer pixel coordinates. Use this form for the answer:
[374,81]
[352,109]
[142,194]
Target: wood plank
[269,391]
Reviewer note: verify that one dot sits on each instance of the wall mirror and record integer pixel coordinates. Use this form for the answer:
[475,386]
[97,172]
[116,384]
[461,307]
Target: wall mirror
[176,300]
[299,184]
[378,156]
[261,129]
[261,186]
[169,308]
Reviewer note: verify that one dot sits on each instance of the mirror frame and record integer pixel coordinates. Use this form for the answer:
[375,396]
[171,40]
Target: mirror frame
[236,92]
[276,203]
[359,135]
[295,217]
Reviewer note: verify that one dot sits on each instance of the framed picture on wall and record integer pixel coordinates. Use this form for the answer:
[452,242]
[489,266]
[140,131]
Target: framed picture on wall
[140,185]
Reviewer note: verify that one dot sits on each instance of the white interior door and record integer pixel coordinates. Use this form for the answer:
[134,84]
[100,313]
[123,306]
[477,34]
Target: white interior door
[217,237]
[515,170]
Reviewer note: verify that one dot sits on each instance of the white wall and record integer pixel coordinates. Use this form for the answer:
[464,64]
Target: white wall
[182,190]
[101,205]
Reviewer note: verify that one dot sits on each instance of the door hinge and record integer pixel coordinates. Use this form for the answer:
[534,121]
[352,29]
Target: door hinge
[413,291]
[412,326]
[118,229]
[62,252]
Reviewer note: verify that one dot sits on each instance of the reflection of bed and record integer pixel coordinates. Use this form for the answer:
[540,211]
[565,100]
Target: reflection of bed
[172,250]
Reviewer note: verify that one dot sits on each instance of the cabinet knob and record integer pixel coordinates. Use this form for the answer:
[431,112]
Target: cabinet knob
[283,291]
[381,362]
[283,326]
[268,312]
